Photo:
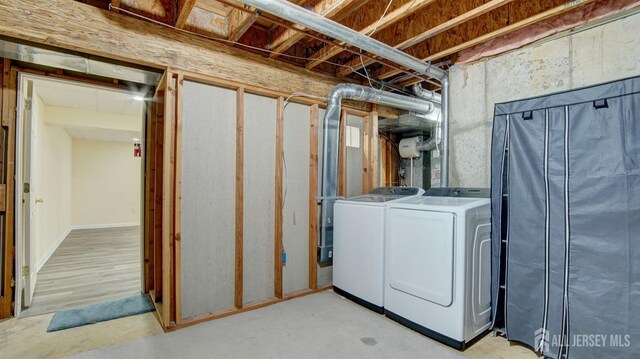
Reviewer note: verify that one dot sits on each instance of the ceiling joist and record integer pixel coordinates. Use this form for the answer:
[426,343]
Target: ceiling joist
[379,23]
[283,39]
[238,22]
[184,10]
[385,73]
[426,29]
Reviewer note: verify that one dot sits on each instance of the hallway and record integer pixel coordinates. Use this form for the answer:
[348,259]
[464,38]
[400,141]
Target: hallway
[90,266]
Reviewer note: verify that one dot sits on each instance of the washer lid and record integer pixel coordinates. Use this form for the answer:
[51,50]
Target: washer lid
[440,203]
[386,194]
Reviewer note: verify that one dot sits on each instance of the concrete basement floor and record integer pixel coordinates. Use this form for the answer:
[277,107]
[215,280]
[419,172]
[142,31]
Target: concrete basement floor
[323,325]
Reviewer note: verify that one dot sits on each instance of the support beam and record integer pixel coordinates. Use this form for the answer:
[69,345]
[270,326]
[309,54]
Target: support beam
[331,9]
[378,23]
[385,73]
[184,10]
[115,36]
[239,22]
[356,64]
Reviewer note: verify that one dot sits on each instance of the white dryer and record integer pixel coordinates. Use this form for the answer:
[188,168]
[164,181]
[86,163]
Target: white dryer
[438,265]
[358,244]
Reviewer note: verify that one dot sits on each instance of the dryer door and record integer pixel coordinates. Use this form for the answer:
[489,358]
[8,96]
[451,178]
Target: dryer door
[420,253]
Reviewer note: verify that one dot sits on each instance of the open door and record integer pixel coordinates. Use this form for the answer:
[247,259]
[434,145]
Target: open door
[29,201]
[160,199]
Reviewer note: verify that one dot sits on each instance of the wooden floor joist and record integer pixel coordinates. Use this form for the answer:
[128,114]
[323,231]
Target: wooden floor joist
[401,12]
[331,9]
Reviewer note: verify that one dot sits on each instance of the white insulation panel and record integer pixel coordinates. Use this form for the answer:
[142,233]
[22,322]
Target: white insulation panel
[296,197]
[208,199]
[259,197]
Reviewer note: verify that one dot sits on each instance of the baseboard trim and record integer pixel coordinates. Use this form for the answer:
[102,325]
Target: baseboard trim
[106,225]
[51,250]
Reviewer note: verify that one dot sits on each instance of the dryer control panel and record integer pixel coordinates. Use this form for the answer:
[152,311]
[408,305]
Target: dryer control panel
[458,192]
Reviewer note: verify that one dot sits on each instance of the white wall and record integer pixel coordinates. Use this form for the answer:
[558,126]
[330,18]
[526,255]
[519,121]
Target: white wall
[604,53]
[105,183]
[51,181]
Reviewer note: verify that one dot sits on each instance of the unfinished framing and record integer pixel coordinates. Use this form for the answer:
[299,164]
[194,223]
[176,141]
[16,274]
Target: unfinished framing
[176,268]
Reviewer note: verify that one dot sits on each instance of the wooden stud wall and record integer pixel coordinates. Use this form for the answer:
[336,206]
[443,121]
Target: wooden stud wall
[170,127]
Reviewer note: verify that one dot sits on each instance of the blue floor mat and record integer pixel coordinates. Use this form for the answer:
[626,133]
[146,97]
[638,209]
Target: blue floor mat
[95,313]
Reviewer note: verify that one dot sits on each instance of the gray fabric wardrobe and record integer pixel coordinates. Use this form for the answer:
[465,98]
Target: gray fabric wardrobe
[566,221]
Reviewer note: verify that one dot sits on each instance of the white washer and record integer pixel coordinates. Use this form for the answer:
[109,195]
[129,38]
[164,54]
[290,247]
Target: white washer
[438,266]
[358,244]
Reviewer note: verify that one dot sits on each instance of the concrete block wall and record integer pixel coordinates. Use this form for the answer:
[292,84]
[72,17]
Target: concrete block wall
[600,54]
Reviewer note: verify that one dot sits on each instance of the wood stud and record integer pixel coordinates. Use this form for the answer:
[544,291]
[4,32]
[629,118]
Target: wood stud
[278,217]
[239,263]
[342,156]
[168,205]
[177,196]
[7,112]
[313,203]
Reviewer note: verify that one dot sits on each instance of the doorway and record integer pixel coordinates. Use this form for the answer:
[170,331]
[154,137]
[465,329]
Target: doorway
[79,173]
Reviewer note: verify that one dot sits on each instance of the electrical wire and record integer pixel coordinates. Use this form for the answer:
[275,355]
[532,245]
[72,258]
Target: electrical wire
[381,17]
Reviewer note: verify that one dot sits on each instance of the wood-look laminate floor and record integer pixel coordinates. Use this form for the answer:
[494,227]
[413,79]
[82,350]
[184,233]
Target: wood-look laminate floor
[89,266]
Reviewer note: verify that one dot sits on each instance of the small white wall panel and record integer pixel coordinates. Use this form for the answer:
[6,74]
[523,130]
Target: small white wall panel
[354,160]
[208,199]
[296,197]
[259,197]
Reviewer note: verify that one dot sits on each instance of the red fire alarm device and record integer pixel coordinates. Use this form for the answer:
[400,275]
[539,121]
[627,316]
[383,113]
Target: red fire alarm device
[137,150]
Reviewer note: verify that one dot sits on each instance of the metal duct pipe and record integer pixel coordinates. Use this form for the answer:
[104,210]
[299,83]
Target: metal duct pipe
[426,94]
[444,101]
[427,145]
[299,15]
[330,146]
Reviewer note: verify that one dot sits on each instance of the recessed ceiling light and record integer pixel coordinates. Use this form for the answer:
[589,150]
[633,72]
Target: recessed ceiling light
[138,98]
